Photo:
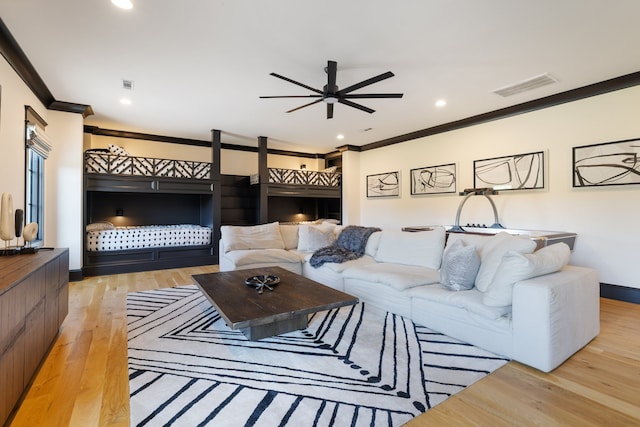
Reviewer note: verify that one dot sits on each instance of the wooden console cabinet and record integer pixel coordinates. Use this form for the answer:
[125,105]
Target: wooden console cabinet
[34,300]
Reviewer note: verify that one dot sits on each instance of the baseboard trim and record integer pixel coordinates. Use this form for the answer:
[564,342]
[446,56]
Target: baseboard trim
[621,293]
[75,275]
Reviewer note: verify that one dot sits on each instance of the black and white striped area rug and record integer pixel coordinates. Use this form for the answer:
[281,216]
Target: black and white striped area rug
[356,366]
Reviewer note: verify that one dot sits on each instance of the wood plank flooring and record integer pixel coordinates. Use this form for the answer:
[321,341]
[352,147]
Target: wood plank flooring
[83,381]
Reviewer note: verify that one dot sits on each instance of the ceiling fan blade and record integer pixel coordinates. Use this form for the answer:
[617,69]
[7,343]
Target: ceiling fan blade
[373,95]
[354,105]
[287,79]
[305,105]
[293,96]
[367,82]
[332,69]
[329,111]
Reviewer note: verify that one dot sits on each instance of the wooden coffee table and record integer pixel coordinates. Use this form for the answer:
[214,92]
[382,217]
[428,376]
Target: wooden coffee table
[261,315]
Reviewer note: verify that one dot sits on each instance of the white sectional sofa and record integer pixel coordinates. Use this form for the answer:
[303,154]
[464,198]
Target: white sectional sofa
[524,304]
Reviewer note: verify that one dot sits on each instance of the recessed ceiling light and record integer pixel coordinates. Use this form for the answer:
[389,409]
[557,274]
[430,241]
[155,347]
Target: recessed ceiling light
[123,4]
[441,103]
[340,136]
[125,101]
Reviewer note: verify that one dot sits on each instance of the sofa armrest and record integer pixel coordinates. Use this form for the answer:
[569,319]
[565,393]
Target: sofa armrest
[554,316]
[223,262]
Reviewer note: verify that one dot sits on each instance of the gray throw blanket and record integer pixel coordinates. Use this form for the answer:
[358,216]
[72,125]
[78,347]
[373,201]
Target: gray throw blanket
[350,245]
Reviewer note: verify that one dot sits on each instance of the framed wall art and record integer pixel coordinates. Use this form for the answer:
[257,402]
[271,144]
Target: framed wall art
[610,163]
[515,172]
[433,179]
[383,184]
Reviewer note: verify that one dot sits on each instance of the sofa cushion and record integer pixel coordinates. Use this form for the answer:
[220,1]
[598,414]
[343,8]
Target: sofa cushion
[289,233]
[242,257]
[397,276]
[460,266]
[313,237]
[470,300]
[372,244]
[491,254]
[265,236]
[339,267]
[422,248]
[515,266]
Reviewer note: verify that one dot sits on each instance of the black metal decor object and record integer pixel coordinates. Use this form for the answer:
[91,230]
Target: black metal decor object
[330,94]
[19,222]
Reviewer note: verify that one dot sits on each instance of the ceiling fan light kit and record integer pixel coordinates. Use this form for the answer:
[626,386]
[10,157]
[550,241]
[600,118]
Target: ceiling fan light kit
[331,94]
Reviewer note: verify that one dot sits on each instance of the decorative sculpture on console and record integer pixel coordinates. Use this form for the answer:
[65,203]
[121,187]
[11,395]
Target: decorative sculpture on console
[11,228]
[468,192]
[7,224]
[30,233]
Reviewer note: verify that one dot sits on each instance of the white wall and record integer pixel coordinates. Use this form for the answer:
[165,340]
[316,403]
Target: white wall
[605,218]
[63,185]
[234,162]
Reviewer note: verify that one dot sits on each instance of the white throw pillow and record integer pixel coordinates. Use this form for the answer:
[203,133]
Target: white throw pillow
[492,252]
[313,237]
[460,265]
[372,244]
[265,236]
[289,234]
[100,226]
[422,248]
[515,267]
[118,151]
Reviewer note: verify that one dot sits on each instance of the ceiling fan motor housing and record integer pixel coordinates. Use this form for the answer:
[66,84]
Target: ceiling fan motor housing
[330,96]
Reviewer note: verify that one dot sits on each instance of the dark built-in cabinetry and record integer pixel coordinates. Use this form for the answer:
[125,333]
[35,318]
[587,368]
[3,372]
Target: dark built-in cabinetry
[34,295]
[295,195]
[132,200]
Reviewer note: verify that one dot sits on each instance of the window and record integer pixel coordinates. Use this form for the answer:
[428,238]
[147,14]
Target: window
[35,191]
[37,150]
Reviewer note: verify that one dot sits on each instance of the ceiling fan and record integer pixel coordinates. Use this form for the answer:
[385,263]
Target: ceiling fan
[330,93]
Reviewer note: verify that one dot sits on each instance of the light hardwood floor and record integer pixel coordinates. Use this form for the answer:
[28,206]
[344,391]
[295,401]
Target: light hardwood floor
[83,381]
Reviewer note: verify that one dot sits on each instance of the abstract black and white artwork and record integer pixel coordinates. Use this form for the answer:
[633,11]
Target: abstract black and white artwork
[383,184]
[515,172]
[611,163]
[433,179]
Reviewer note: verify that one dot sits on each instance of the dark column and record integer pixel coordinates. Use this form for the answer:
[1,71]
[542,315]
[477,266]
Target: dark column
[263,171]
[216,187]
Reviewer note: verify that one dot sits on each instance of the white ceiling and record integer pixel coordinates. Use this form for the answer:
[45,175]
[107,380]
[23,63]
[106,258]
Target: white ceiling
[202,64]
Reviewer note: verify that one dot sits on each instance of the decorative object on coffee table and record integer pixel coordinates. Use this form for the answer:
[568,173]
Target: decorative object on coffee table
[262,281]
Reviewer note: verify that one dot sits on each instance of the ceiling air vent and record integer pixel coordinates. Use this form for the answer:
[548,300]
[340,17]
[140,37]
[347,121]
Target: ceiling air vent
[127,84]
[526,85]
